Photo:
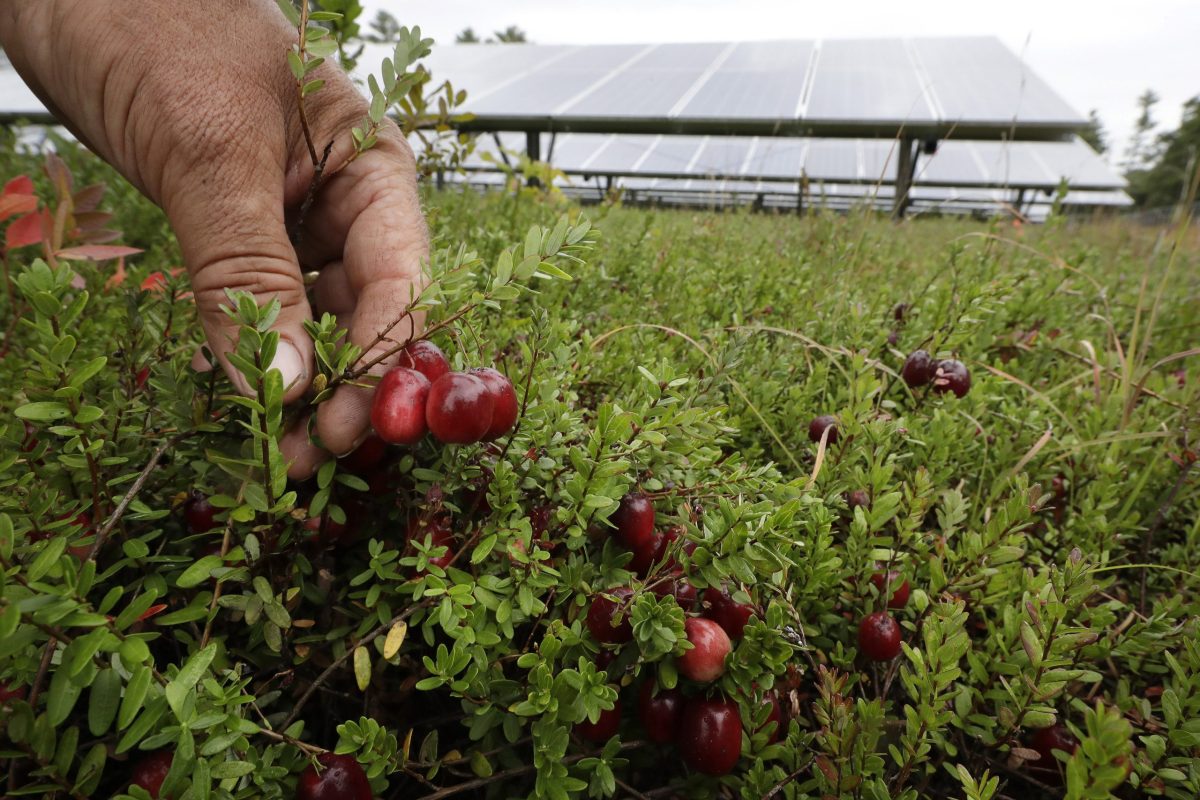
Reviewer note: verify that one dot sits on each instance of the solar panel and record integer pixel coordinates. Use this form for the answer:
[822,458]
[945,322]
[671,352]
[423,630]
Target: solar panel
[869,80]
[753,80]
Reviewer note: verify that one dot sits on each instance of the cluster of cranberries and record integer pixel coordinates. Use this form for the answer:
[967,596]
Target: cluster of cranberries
[707,730]
[422,395]
[948,375]
[340,777]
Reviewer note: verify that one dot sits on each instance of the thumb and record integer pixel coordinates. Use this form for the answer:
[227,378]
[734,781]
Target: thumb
[238,241]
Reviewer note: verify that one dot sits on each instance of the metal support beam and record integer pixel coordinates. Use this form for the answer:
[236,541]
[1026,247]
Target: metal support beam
[533,149]
[906,168]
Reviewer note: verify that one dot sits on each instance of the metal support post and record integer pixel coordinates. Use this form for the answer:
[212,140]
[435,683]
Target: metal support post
[906,167]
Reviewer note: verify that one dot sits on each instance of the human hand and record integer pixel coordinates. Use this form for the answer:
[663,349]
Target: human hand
[194,104]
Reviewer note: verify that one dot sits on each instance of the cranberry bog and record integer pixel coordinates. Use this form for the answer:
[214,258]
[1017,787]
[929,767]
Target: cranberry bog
[741,540]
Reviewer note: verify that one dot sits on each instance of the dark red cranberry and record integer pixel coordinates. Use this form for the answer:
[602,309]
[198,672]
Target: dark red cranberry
[1045,741]
[952,376]
[325,530]
[710,735]
[142,376]
[605,658]
[341,778]
[722,609]
[919,369]
[459,409]
[540,517]
[681,589]
[600,616]
[893,338]
[659,711]
[603,728]
[646,555]
[7,694]
[900,588]
[199,514]
[151,770]
[899,312]
[858,498]
[30,441]
[774,718]
[504,402]
[879,636]
[817,428]
[705,662]
[426,358]
[398,408]
[667,547]
[634,519]
[363,459]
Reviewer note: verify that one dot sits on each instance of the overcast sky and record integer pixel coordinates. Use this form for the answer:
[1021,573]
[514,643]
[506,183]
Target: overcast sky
[1100,54]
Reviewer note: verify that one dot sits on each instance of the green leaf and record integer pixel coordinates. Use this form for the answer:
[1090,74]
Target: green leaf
[63,695]
[362,668]
[43,412]
[199,572]
[289,11]
[135,696]
[103,701]
[183,683]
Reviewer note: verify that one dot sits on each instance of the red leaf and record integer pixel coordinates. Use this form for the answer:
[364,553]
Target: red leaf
[23,232]
[154,282]
[88,198]
[157,608]
[13,204]
[22,184]
[97,252]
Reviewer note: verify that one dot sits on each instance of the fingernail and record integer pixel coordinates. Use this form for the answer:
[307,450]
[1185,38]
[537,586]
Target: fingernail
[289,363]
[355,446]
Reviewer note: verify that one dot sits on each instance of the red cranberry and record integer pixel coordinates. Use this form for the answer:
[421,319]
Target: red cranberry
[710,735]
[459,409]
[774,718]
[952,376]
[363,459]
[605,658]
[142,376]
[681,589]
[603,728]
[646,555]
[858,498]
[919,369]
[600,616]
[7,694]
[667,547]
[434,533]
[398,407]
[634,519]
[150,771]
[504,402]
[659,710]
[540,517]
[879,636]
[426,358]
[325,530]
[729,614]
[900,589]
[705,662]
[817,428]
[342,778]
[1056,737]
[199,514]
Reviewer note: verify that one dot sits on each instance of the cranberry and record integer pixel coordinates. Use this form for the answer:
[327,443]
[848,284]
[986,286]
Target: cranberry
[710,735]
[426,358]
[600,616]
[504,402]
[540,517]
[1045,741]
[919,369]
[605,658]
[634,519]
[199,514]
[459,408]
[681,589]
[363,459]
[398,407]
[952,376]
[900,589]
[667,547]
[323,528]
[342,778]
[434,533]
[879,636]
[646,555]
[705,662]
[774,718]
[150,771]
[142,376]
[7,694]
[726,612]
[604,728]
[817,428]
[659,712]
[858,498]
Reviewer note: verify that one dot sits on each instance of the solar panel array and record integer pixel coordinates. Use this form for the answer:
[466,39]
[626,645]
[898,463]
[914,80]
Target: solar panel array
[986,164]
[928,86]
